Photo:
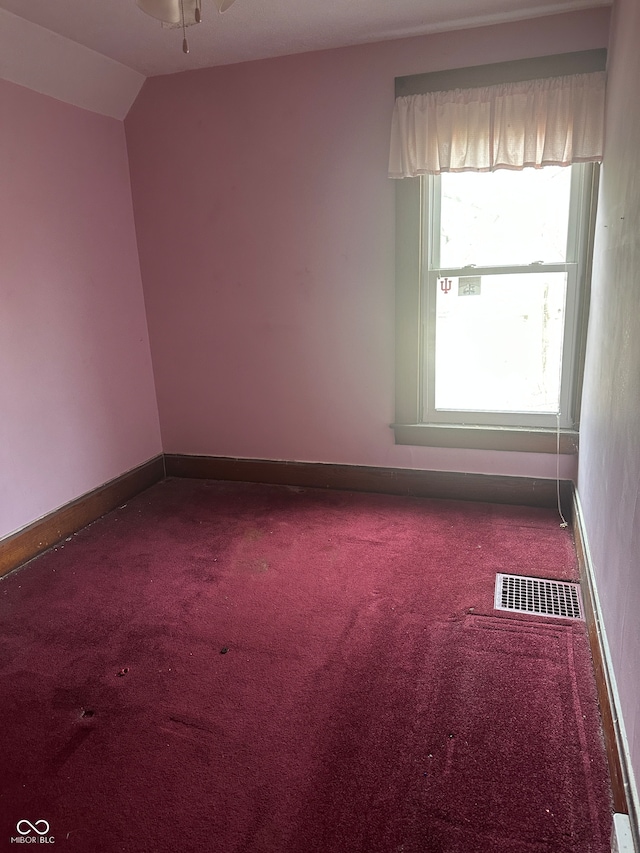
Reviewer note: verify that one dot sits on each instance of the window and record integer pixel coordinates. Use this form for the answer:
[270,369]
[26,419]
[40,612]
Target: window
[492,290]
[501,304]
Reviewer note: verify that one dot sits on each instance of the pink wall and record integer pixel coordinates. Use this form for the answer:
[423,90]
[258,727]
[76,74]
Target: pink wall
[265,226]
[76,384]
[609,475]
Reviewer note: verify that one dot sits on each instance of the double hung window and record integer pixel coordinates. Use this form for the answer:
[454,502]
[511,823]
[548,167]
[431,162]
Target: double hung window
[502,286]
[492,299]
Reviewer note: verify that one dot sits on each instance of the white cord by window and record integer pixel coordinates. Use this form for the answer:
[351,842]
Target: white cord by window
[564,522]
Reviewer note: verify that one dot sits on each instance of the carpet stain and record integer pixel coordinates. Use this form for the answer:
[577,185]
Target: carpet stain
[75,742]
[253,566]
[204,573]
[252,535]
[192,723]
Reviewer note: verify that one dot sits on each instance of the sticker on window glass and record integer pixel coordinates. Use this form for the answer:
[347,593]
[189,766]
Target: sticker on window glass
[469,285]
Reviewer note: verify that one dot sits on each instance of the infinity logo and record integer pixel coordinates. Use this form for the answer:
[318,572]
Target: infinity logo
[32,827]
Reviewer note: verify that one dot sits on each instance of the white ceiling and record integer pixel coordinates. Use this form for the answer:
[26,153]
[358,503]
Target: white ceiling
[254,29]
[250,29]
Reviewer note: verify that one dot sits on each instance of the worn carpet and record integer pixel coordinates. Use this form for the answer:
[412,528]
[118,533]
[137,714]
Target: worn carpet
[235,668]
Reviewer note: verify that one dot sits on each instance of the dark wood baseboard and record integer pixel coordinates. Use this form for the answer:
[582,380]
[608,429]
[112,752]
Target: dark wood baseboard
[447,485]
[618,786]
[57,525]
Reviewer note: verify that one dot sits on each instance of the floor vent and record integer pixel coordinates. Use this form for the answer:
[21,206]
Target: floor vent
[520,594]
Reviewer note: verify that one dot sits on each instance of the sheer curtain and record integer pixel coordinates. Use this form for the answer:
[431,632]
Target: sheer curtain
[553,121]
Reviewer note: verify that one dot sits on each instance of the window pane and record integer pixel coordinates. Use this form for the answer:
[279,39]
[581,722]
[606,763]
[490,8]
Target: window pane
[499,342]
[504,218]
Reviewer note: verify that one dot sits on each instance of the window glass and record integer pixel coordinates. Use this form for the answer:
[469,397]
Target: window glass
[498,342]
[504,218]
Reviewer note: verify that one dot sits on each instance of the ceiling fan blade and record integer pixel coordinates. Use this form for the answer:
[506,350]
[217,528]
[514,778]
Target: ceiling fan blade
[164,10]
[223,5]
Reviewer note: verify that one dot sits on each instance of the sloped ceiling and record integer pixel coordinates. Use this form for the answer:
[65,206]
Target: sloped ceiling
[96,54]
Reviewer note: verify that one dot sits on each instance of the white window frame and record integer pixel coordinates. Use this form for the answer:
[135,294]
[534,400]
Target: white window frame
[418,272]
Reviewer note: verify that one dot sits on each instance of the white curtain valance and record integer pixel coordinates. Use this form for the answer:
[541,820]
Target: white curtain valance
[554,121]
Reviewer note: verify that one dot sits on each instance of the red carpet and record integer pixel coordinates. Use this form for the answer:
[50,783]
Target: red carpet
[252,669]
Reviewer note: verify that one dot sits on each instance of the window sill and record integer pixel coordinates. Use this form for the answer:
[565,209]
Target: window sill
[520,439]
